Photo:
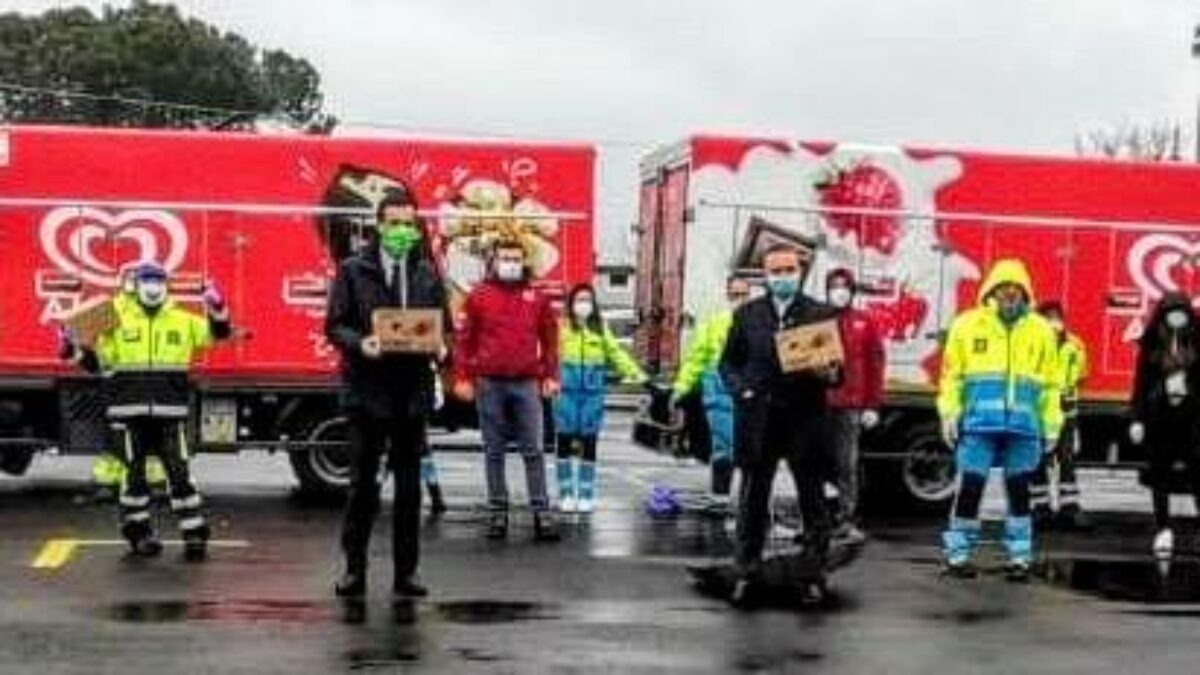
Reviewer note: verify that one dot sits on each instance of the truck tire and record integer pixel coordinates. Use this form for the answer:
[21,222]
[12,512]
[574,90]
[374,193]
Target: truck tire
[324,473]
[15,462]
[927,473]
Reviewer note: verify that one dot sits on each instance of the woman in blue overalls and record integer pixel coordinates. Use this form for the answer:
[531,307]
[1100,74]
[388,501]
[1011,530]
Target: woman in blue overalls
[587,349]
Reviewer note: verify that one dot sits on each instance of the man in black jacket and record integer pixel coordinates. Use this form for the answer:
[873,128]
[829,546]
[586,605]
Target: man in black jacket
[777,415]
[388,397]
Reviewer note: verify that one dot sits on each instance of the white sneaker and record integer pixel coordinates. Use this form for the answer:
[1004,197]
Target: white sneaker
[1164,544]
[586,505]
[568,505]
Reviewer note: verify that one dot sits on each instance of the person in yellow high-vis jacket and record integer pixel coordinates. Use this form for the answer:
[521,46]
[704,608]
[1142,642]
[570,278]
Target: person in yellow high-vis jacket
[146,357]
[1073,369]
[699,367]
[1000,405]
[108,470]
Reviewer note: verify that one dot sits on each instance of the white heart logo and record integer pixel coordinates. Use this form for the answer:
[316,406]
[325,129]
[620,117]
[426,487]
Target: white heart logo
[70,237]
[1153,258]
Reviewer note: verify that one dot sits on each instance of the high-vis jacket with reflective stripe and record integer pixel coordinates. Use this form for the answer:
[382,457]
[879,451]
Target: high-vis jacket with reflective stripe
[1000,378]
[168,339]
[585,356]
[704,352]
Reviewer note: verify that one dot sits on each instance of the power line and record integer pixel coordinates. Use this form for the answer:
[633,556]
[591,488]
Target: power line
[364,124]
[128,100]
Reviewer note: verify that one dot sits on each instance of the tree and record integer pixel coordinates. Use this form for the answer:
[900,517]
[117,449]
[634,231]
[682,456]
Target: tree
[1156,142]
[72,66]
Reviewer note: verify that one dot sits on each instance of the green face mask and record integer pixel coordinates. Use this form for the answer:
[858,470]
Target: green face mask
[399,237]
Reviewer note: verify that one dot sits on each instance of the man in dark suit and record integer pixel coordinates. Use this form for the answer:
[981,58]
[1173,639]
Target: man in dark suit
[388,397]
[777,415]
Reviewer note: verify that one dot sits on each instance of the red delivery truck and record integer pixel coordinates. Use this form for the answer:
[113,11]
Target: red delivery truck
[267,218]
[920,227]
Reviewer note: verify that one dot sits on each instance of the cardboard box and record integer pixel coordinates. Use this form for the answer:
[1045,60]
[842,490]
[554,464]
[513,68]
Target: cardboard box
[92,319]
[408,331]
[810,347]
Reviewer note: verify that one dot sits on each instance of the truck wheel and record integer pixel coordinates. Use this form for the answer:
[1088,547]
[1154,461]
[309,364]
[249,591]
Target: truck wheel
[16,462]
[324,472]
[927,471]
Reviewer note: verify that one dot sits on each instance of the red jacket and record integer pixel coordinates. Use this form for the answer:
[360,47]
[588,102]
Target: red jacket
[506,330]
[863,374]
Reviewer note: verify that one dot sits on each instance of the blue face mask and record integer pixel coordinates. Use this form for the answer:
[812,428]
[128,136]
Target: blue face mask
[1011,313]
[783,287]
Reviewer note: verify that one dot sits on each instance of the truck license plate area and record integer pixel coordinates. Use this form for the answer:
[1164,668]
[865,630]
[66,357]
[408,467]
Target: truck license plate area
[218,421]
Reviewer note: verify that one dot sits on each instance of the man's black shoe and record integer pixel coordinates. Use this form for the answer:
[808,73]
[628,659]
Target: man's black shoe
[406,589]
[351,585]
[545,526]
[497,527]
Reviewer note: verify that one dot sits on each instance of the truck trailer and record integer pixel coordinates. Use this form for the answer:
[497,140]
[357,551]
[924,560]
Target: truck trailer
[919,227]
[266,218]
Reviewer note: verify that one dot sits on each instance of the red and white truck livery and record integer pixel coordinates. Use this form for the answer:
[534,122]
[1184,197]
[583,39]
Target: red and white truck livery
[266,218]
[919,227]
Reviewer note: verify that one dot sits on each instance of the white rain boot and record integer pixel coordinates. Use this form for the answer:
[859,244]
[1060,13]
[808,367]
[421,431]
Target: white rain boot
[1164,544]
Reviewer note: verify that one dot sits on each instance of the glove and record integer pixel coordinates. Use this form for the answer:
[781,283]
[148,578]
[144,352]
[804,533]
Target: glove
[950,432]
[439,393]
[1050,445]
[870,419]
[1137,433]
[213,300]
[67,349]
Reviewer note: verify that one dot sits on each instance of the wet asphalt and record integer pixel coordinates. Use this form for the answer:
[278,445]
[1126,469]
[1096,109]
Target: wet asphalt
[611,597]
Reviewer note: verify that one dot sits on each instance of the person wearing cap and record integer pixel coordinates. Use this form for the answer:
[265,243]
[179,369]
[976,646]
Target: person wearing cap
[147,355]
[1073,369]
[999,404]
[388,397]
[855,404]
[699,367]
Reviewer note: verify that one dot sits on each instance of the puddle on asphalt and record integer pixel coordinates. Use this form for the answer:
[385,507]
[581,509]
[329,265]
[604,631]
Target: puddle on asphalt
[969,617]
[365,659]
[1129,580]
[249,611]
[494,612]
[756,663]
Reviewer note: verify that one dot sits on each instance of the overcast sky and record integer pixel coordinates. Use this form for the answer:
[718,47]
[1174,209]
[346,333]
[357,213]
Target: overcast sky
[1007,74]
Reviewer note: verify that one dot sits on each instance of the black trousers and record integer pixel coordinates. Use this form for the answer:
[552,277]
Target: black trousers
[403,440]
[805,449]
[167,439]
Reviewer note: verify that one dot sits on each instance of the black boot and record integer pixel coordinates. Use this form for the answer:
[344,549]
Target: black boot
[195,543]
[497,527]
[437,503]
[142,542]
[407,588]
[545,526]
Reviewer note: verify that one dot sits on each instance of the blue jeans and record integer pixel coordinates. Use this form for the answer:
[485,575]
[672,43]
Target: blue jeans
[510,413]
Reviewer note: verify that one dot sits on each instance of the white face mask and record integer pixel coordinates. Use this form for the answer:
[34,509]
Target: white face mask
[509,270]
[1176,319]
[151,293]
[583,309]
[840,296]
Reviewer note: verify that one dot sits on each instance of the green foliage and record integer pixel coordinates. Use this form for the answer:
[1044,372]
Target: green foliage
[146,51]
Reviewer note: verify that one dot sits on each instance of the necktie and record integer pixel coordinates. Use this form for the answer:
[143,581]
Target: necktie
[397,284]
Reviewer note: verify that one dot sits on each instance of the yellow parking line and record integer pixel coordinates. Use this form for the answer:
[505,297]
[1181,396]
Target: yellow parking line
[55,553]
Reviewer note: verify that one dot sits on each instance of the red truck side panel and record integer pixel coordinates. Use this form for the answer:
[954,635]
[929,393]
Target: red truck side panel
[273,266]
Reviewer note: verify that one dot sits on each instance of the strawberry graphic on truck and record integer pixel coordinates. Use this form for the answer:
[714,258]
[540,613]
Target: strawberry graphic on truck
[919,227]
